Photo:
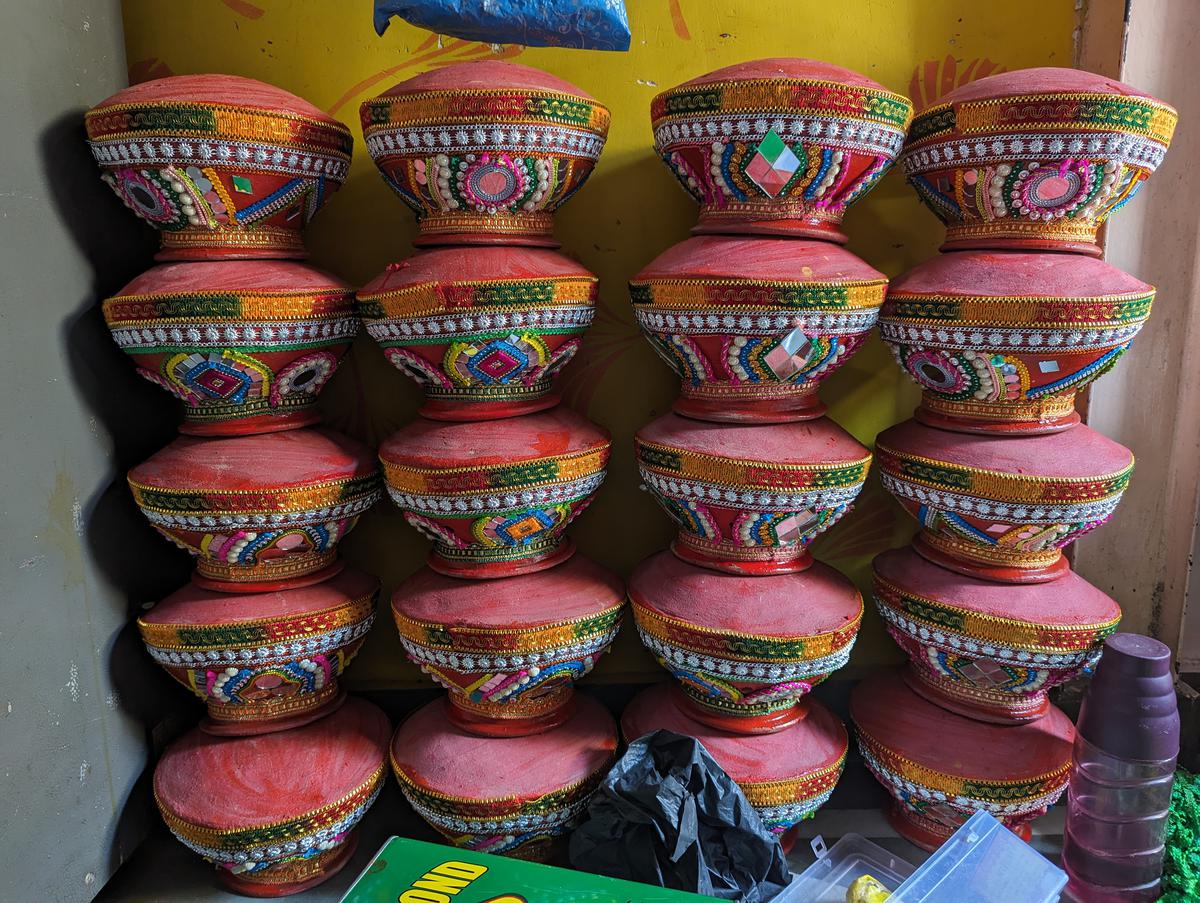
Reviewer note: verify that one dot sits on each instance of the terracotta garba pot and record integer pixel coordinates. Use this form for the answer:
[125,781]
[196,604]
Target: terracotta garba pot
[262,512]
[483,330]
[754,325]
[246,345]
[942,768]
[485,152]
[517,796]
[496,501]
[223,166]
[786,776]
[511,650]
[998,509]
[986,650]
[1036,158]
[276,812]
[263,661]
[750,499]
[1000,342]
[778,146]
[745,650]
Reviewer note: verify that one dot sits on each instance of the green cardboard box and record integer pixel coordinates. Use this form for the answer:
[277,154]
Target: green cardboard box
[410,871]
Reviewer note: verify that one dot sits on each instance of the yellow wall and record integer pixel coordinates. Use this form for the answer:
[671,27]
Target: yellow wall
[628,212]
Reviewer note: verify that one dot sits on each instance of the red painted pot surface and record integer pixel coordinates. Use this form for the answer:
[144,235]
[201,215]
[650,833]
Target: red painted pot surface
[1000,342]
[260,512]
[786,775]
[223,166]
[941,768]
[986,650]
[472,789]
[483,330]
[263,661]
[272,811]
[1000,509]
[495,501]
[510,650]
[246,345]
[778,146]
[745,649]
[750,498]
[1036,158]
[753,325]
[485,152]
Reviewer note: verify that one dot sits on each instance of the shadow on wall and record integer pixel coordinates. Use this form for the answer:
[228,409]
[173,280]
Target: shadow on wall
[132,418]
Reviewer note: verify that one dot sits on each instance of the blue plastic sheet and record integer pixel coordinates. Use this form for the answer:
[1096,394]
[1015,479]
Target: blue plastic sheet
[582,24]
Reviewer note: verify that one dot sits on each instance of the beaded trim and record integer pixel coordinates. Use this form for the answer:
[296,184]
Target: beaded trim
[697,295]
[256,508]
[771,97]
[1048,407]
[237,710]
[1028,643]
[542,472]
[750,321]
[1001,798]
[483,299]
[682,465]
[948,485]
[473,108]
[285,241]
[471,647]
[282,840]
[293,565]
[808,787]
[1008,556]
[994,313]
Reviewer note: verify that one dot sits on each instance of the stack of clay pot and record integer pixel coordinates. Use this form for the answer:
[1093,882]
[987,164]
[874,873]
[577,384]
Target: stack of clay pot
[1000,331]
[271,784]
[753,313]
[505,616]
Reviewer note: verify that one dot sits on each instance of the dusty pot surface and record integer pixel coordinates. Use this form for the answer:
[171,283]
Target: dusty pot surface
[516,796]
[496,499]
[485,152]
[510,650]
[483,330]
[223,166]
[997,508]
[986,650]
[276,812]
[1036,158]
[754,325]
[247,345]
[1000,342]
[778,146]
[745,649]
[260,512]
[263,661]
[942,768]
[750,499]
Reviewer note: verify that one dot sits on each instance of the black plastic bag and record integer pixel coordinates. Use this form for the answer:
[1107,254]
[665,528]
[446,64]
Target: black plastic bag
[667,814]
[583,24]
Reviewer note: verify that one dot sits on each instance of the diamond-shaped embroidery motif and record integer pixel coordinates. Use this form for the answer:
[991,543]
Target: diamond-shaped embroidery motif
[772,165]
[1048,366]
[986,673]
[790,355]
[242,185]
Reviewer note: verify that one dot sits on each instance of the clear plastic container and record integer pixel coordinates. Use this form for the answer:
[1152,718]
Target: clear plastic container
[836,868]
[1116,820]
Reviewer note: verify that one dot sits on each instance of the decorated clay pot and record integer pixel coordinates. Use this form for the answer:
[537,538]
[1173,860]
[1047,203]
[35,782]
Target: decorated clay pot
[515,796]
[750,499]
[246,345]
[263,661]
[1000,342]
[997,509]
[753,325]
[1036,158]
[745,650]
[496,501]
[778,146]
[260,513]
[483,330]
[223,166]
[986,650]
[942,768]
[485,152]
[509,651]
[786,776]
[276,812]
